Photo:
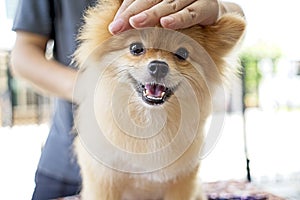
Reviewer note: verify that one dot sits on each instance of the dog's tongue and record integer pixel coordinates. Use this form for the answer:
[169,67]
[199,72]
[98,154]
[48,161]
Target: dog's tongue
[155,90]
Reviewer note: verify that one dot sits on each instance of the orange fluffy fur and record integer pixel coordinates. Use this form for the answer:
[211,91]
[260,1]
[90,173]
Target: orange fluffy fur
[178,181]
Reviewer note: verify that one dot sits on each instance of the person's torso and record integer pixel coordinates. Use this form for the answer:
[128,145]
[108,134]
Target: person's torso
[58,158]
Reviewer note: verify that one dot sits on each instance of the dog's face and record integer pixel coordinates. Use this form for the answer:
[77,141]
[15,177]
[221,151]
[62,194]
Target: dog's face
[156,72]
[152,62]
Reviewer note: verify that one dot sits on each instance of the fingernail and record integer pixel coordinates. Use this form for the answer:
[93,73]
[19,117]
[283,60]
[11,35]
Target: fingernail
[168,22]
[139,18]
[116,26]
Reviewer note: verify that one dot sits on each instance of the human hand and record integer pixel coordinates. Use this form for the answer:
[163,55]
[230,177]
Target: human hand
[172,14]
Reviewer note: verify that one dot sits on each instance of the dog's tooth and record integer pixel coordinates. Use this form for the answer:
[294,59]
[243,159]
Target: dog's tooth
[146,93]
[162,94]
[154,98]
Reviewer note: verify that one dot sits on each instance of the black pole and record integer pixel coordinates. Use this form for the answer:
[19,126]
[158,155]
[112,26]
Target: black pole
[244,122]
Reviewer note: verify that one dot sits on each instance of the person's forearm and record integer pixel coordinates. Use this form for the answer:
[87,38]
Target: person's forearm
[29,62]
[229,7]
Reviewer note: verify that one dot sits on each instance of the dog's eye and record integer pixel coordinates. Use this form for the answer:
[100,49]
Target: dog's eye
[182,53]
[137,49]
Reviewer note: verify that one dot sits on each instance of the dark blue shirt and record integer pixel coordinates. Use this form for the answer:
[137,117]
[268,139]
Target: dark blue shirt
[59,20]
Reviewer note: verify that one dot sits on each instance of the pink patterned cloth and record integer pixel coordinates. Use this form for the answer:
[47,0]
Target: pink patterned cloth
[226,190]
[237,190]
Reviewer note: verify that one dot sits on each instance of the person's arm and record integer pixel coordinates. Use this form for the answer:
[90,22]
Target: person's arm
[29,62]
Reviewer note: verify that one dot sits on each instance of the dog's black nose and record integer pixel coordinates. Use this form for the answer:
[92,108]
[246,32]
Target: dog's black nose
[158,69]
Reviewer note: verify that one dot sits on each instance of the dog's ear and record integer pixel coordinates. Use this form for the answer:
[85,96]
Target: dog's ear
[219,39]
[222,37]
[95,29]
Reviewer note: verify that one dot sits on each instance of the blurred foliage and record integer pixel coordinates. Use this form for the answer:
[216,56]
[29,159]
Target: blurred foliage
[250,58]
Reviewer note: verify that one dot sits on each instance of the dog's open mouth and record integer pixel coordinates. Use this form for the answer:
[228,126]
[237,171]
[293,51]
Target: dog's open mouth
[154,93]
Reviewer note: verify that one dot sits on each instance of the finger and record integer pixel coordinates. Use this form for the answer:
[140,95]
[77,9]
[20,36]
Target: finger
[152,16]
[199,12]
[121,22]
[125,4]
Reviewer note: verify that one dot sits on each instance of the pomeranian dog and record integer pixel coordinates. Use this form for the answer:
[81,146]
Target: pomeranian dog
[151,93]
